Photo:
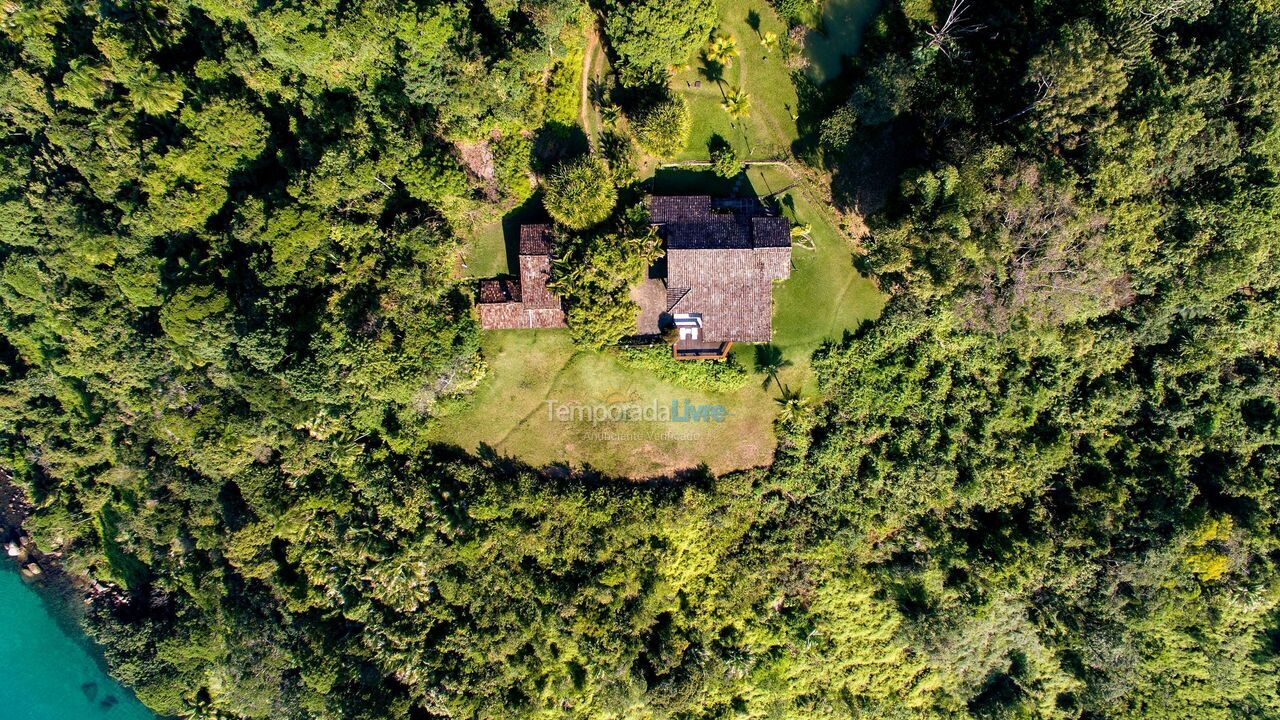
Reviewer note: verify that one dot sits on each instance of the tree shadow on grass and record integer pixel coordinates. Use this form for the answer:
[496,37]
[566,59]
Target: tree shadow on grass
[529,211]
[713,71]
[690,181]
[769,361]
[555,142]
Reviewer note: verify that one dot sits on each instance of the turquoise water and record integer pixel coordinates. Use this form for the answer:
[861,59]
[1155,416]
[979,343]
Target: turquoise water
[47,675]
[842,24]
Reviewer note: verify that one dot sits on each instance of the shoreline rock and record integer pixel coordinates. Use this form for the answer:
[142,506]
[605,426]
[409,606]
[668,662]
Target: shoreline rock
[71,592]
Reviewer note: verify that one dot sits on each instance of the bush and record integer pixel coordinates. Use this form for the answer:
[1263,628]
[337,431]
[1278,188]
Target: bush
[662,128]
[723,159]
[708,375]
[797,12]
[580,193]
[512,155]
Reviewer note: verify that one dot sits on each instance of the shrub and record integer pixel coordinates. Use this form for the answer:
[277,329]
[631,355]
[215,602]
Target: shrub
[797,12]
[512,155]
[580,193]
[723,159]
[663,128]
[708,375]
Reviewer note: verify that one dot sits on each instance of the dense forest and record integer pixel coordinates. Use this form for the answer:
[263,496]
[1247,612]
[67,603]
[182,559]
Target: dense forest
[1044,484]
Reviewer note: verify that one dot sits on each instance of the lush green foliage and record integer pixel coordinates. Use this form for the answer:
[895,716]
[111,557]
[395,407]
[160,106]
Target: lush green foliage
[594,273]
[710,375]
[580,193]
[1042,485]
[662,128]
[649,36]
[724,161]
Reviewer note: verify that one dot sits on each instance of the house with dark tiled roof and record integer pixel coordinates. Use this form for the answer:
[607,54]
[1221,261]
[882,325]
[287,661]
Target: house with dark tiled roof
[714,286]
[511,304]
[722,259]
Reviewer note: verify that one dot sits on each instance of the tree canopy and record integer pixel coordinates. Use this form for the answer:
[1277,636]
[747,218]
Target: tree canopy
[580,193]
[1043,484]
[649,36]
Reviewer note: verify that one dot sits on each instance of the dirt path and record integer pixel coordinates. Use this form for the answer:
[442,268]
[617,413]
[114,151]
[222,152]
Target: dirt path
[585,110]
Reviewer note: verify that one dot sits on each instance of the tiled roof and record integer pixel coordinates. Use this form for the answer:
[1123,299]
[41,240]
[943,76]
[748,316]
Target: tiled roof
[714,230]
[517,315]
[535,239]
[671,208]
[499,290]
[535,271]
[674,294]
[771,232]
[721,264]
[731,289]
[506,304]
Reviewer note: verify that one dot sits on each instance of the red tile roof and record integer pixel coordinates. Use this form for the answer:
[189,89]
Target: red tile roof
[721,264]
[535,239]
[509,304]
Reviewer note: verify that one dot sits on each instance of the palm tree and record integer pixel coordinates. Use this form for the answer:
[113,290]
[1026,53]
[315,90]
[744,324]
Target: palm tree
[793,405]
[736,103]
[721,49]
[609,114]
[770,362]
[769,40]
[154,94]
[802,235]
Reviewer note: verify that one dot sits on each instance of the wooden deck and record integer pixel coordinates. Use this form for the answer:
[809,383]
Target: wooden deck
[700,350]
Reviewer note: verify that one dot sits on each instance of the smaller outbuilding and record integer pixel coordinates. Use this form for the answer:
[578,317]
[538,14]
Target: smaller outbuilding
[527,302]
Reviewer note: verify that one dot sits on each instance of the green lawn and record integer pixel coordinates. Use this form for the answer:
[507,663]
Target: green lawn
[486,252]
[769,128]
[491,249]
[825,295]
[509,413]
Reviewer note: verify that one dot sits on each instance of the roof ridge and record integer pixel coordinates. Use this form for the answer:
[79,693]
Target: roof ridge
[675,295]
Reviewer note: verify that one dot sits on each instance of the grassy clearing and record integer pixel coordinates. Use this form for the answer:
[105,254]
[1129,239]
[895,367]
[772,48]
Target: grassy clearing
[529,367]
[492,249]
[769,128]
[825,295]
[486,252]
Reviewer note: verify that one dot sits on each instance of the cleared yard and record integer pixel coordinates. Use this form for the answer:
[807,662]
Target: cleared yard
[491,249]
[824,297]
[528,368]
